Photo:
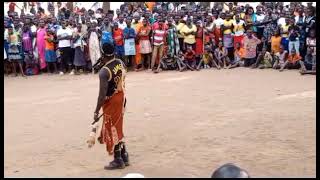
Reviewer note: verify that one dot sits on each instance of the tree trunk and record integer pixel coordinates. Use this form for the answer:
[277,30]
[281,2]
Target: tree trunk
[70,6]
[106,7]
[205,4]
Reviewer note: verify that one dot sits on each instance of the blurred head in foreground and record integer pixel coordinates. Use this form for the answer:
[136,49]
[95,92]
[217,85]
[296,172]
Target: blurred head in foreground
[133,175]
[230,171]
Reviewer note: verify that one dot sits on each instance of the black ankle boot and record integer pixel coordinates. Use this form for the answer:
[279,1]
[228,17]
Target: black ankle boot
[125,155]
[117,163]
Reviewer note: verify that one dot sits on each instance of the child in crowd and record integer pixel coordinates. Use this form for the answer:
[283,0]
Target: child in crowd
[275,42]
[280,57]
[221,54]
[14,56]
[79,45]
[293,37]
[311,43]
[190,58]
[284,29]
[50,56]
[264,59]
[238,56]
[309,65]
[31,64]
[208,59]
[293,61]
[180,61]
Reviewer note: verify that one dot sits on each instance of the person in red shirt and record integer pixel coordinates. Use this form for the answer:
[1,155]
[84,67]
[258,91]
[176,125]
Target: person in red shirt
[190,58]
[118,39]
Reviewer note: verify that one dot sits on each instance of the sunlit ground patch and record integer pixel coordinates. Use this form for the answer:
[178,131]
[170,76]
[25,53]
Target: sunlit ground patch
[176,79]
[306,94]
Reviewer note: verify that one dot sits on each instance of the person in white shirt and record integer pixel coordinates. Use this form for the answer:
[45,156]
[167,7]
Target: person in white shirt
[121,23]
[260,17]
[282,19]
[64,37]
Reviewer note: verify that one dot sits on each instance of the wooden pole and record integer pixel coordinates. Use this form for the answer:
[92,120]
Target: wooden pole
[69,6]
[106,7]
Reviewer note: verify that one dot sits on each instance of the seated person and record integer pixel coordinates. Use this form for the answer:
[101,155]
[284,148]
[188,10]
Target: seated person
[238,57]
[190,58]
[31,64]
[208,59]
[168,63]
[221,54]
[264,59]
[280,57]
[294,60]
[180,61]
[309,63]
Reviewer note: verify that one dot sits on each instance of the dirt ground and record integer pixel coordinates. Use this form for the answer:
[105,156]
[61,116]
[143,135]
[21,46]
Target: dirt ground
[176,124]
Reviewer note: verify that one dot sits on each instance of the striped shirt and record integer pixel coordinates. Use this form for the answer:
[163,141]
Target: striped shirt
[158,37]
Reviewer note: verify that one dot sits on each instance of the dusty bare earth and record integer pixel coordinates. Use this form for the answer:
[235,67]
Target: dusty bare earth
[176,125]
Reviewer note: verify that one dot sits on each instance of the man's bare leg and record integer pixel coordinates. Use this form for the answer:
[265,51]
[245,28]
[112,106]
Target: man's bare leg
[303,67]
[234,65]
[21,69]
[187,64]
[200,63]
[180,64]
[275,65]
[56,68]
[284,66]
[214,62]
[14,68]
[228,61]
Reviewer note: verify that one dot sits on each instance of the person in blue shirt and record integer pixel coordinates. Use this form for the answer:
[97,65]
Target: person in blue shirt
[129,43]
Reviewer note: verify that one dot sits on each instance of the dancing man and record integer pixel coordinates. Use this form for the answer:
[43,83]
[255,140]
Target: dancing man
[112,101]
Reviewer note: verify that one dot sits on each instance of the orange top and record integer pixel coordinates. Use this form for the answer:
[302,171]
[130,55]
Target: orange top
[275,44]
[294,58]
[239,52]
[49,45]
[150,5]
[118,36]
[144,30]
